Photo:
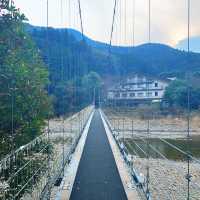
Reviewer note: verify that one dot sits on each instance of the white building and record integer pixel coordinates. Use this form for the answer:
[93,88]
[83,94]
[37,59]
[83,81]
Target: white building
[138,89]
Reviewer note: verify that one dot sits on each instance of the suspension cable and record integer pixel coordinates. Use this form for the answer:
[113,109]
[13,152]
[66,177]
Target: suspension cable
[74,64]
[134,4]
[188,176]
[62,79]
[149,21]
[188,39]
[69,11]
[112,28]
[13,102]
[12,93]
[48,89]
[125,22]
[120,22]
[81,20]
[148,121]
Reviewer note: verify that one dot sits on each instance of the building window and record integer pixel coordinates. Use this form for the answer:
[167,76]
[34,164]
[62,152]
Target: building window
[140,85]
[149,94]
[132,94]
[124,95]
[133,87]
[117,95]
[127,87]
[156,94]
[140,94]
[156,84]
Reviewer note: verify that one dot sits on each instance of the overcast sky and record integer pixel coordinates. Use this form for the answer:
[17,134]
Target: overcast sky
[169,18]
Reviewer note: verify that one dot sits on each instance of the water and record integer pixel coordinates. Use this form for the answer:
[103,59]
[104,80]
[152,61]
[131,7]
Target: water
[165,149]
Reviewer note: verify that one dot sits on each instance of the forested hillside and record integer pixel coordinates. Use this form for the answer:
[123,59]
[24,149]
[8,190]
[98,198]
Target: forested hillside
[152,59]
[83,56]
[68,75]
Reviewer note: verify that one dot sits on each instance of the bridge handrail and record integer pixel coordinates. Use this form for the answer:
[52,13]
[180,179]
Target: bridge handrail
[187,154]
[123,151]
[26,152]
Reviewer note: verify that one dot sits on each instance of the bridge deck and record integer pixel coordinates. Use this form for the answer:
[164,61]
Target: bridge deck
[97,176]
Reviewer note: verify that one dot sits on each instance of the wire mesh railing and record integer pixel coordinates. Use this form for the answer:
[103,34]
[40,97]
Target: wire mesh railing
[24,173]
[168,155]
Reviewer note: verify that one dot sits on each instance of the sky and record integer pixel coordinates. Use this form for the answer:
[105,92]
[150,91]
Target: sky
[168,18]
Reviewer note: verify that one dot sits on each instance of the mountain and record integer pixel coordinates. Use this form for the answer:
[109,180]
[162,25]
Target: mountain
[98,45]
[194,44]
[157,59]
[151,59]
[72,61]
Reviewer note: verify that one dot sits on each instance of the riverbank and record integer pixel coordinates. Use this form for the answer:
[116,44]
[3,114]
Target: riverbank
[168,169]
[167,178]
[168,126]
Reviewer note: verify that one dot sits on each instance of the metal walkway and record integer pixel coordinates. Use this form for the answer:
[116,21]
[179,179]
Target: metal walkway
[97,177]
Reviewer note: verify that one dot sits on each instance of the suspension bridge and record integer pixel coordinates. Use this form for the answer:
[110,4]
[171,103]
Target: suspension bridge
[100,152]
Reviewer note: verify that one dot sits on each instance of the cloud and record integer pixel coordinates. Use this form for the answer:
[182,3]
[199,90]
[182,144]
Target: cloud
[168,25]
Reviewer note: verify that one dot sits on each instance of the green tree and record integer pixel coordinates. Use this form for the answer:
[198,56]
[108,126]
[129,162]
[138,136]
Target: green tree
[177,92]
[92,81]
[24,103]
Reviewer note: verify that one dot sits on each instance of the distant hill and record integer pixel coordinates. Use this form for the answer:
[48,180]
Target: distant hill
[194,44]
[98,45]
[151,59]
[154,58]
[157,59]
